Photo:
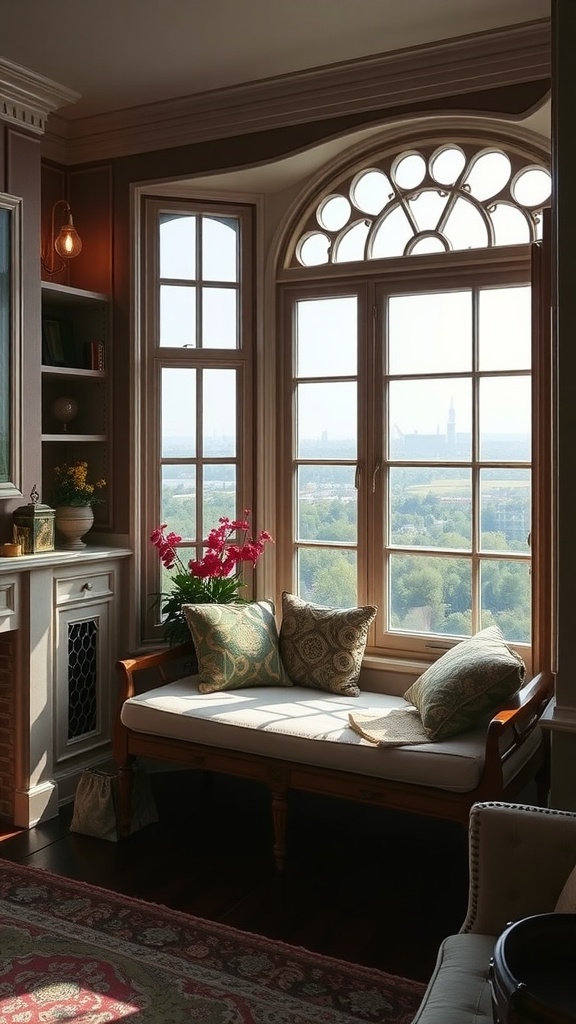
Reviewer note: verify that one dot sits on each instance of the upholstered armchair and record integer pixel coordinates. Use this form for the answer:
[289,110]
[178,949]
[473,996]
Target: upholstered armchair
[520,857]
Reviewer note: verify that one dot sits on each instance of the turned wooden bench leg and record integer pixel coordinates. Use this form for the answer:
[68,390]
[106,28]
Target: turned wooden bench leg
[277,780]
[279,818]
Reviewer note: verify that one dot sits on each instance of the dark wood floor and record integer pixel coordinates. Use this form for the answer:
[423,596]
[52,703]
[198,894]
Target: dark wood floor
[361,884]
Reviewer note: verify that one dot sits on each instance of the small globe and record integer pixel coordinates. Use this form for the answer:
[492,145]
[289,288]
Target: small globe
[65,409]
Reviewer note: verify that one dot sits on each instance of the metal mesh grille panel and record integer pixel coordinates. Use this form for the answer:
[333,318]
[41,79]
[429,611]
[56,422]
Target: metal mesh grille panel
[82,678]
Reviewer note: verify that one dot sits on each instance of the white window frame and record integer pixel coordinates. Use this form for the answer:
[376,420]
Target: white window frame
[153,358]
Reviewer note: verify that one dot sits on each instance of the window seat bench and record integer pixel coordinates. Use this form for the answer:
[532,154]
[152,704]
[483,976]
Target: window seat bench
[299,738]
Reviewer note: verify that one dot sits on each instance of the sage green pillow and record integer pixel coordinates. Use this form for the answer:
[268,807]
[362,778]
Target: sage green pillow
[323,647]
[236,645]
[467,684]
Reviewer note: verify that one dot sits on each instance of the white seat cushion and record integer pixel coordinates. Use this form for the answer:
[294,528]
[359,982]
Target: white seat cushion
[314,729]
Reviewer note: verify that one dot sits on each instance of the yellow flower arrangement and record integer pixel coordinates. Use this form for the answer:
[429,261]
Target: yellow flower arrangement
[71,486]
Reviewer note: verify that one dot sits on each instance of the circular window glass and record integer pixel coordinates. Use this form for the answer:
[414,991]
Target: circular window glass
[371,191]
[313,250]
[532,187]
[410,170]
[334,213]
[447,166]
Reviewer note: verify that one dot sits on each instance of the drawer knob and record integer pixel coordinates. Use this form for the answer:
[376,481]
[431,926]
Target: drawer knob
[86,586]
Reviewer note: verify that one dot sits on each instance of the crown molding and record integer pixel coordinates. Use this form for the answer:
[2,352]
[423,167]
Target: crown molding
[508,56]
[26,98]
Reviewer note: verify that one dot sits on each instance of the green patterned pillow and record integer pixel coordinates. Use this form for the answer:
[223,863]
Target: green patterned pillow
[236,645]
[468,683]
[323,647]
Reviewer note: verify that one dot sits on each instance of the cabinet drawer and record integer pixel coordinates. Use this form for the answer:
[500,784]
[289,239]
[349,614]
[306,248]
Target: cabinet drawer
[85,587]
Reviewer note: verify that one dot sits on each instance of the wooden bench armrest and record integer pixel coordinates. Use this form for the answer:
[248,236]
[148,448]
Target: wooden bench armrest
[512,725]
[155,665]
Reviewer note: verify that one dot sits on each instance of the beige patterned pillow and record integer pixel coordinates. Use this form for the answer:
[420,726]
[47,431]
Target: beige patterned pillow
[323,647]
[236,645]
[468,683]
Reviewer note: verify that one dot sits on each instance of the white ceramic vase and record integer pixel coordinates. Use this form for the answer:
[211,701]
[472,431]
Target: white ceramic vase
[73,521]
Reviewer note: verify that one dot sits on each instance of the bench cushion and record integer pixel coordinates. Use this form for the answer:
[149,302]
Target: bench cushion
[315,730]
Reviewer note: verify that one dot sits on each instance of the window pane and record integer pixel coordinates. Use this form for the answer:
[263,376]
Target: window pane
[327,337]
[178,500]
[327,576]
[489,174]
[505,509]
[430,419]
[465,227]
[427,207]
[220,240]
[430,333]
[327,503]
[219,412]
[392,235]
[177,316]
[430,595]
[327,422]
[505,404]
[219,318]
[333,213]
[178,414]
[177,246]
[352,244]
[219,496]
[313,250]
[370,191]
[505,587]
[431,507]
[505,329]
[510,225]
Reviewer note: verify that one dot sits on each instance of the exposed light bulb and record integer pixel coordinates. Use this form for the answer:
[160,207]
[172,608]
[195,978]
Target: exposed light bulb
[68,244]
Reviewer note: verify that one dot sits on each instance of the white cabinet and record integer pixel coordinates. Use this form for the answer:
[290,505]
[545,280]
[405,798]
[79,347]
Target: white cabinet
[64,614]
[83,658]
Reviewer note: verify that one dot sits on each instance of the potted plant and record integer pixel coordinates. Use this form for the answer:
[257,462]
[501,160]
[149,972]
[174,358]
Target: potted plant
[214,579]
[73,497]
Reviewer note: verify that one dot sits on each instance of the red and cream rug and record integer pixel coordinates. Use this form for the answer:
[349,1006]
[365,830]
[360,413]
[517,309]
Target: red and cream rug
[73,952]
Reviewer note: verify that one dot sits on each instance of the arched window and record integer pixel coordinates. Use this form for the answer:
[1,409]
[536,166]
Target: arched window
[407,313]
[427,200]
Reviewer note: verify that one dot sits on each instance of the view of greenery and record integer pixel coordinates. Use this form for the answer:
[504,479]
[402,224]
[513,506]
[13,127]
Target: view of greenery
[429,508]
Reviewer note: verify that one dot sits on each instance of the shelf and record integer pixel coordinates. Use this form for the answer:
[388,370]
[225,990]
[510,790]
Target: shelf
[65,437]
[62,372]
[63,294]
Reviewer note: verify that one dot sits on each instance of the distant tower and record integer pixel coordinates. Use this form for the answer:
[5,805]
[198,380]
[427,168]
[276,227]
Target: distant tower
[451,425]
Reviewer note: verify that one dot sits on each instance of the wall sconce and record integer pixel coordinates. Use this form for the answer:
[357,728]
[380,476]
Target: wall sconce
[66,244]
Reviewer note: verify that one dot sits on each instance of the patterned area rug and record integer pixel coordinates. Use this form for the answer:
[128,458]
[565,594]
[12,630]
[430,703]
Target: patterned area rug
[73,952]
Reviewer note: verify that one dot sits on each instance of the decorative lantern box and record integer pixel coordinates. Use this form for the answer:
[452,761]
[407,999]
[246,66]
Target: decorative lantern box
[34,526]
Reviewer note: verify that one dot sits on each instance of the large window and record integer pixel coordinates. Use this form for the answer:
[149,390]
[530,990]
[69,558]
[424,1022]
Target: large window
[197,352]
[408,313]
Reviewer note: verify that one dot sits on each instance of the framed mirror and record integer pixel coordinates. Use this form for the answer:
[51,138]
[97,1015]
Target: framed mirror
[10,345]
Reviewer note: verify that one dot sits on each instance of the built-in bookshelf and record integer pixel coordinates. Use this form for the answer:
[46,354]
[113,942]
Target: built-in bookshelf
[75,378]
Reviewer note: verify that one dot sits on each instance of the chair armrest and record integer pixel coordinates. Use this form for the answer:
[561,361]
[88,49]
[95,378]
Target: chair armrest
[519,858]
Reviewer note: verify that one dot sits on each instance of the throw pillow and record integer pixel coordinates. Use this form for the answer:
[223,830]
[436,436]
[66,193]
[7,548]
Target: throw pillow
[469,682]
[566,903]
[323,647]
[236,645]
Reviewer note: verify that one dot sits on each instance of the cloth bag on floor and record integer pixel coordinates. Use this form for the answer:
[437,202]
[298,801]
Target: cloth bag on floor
[96,804]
